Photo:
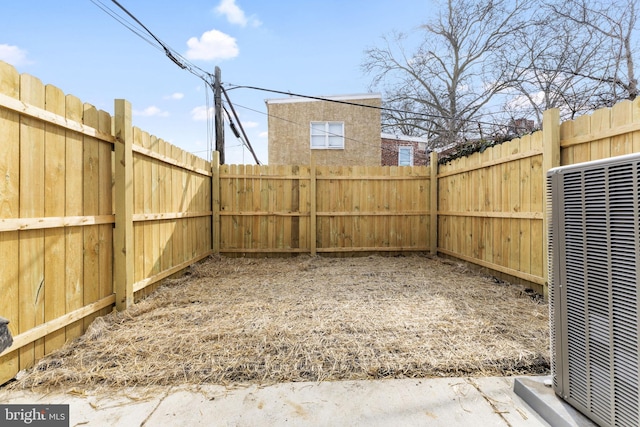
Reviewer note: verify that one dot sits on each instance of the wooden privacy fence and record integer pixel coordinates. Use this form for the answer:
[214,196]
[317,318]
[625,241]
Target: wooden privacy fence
[491,205]
[314,209]
[62,191]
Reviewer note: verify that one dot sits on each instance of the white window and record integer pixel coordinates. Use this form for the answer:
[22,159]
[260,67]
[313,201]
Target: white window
[405,156]
[328,135]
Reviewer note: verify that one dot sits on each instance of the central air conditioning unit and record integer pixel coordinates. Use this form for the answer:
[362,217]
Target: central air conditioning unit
[594,258]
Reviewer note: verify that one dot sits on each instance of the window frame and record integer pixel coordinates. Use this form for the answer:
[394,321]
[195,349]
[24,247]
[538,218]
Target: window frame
[405,147]
[326,134]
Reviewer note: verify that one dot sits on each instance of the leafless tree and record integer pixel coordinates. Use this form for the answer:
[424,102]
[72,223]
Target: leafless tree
[577,55]
[554,58]
[615,22]
[455,70]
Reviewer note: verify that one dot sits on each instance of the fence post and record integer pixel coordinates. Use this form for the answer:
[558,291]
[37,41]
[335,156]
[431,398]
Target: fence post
[550,159]
[123,233]
[215,202]
[433,238]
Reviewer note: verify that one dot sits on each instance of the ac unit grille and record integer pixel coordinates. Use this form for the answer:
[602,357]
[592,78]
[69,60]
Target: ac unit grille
[593,270]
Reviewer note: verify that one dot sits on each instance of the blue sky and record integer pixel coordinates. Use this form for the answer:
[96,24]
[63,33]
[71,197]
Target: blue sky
[312,47]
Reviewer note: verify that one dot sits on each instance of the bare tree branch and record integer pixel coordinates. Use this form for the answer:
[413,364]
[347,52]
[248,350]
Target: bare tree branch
[455,71]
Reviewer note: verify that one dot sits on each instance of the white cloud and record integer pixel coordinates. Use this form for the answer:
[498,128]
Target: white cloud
[176,95]
[152,111]
[264,134]
[212,45]
[13,55]
[250,125]
[201,113]
[235,15]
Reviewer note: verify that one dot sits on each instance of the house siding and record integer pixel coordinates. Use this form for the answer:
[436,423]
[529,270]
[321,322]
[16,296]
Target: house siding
[289,131]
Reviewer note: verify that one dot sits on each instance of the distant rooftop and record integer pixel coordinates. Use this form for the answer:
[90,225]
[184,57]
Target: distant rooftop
[404,137]
[350,97]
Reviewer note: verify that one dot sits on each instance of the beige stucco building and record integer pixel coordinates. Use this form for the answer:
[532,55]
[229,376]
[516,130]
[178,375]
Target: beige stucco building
[338,130]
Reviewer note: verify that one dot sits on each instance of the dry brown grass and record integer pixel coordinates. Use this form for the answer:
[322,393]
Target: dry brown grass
[263,321]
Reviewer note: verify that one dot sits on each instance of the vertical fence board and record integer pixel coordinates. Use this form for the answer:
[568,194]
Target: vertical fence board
[304,206]
[176,196]
[74,236]
[31,280]
[621,114]
[9,208]
[488,207]
[538,267]
[524,235]
[105,207]
[286,225]
[475,180]
[497,206]
[582,152]
[170,225]
[225,199]
[313,203]
[600,121]
[54,197]
[505,170]
[515,204]
[566,132]
[254,223]
[635,115]
[147,207]
[155,209]
[163,206]
[138,208]
[184,207]
[538,192]
[91,202]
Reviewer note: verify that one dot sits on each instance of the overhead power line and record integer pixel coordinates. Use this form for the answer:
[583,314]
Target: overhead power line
[246,139]
[340,101]
[174,56]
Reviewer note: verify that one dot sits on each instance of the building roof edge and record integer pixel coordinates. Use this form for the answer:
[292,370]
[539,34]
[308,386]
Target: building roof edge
[350,97]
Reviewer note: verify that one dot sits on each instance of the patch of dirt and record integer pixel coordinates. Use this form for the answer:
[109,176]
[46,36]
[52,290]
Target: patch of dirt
[238,320]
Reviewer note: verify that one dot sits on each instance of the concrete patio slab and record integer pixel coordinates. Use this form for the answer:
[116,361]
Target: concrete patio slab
[439,402]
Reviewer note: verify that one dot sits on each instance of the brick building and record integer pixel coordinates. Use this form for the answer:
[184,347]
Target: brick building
[401,150]
[338,130]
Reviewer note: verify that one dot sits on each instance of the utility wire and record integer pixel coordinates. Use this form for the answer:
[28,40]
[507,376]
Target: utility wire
[154,41]
[246,139]
[106,9]
[181,62]
[339,101]
[171,53]
[167,51]
[236,132]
